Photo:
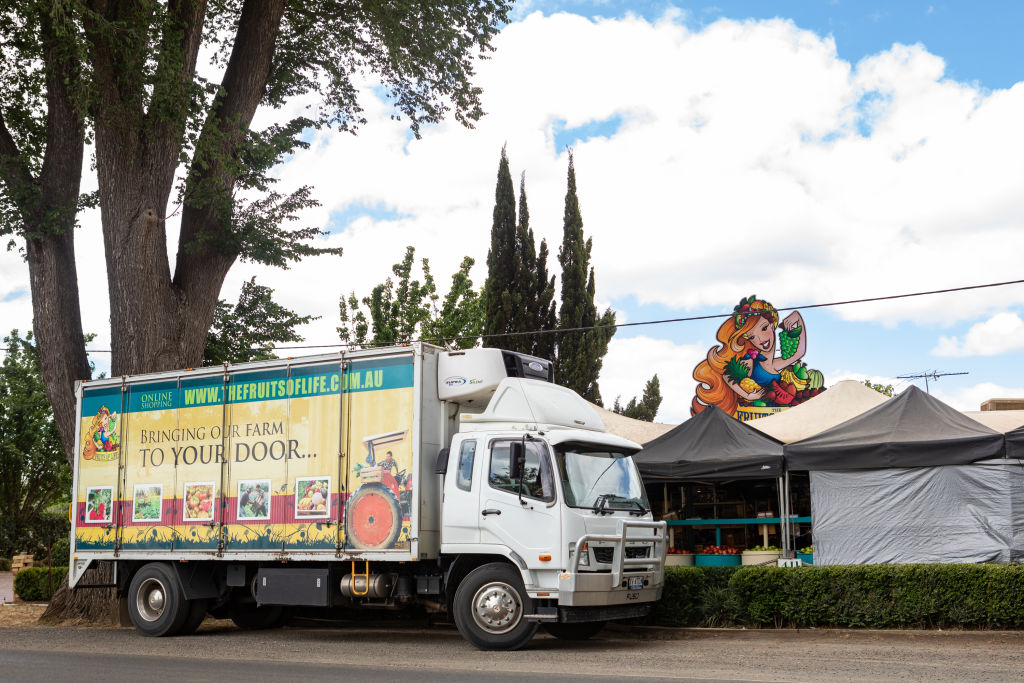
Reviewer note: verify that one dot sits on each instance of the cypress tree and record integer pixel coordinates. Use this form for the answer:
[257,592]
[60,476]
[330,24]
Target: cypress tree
[547,318]
[647,407]
[503,300]
[579,353]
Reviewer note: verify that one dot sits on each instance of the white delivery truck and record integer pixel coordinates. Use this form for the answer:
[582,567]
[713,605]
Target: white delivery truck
[462,481]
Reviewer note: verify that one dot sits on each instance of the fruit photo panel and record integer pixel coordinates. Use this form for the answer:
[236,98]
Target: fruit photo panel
[99,504]
[254,499]
[199,501]
[312,497]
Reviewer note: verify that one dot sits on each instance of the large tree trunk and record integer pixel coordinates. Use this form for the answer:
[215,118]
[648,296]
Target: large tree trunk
[86,605]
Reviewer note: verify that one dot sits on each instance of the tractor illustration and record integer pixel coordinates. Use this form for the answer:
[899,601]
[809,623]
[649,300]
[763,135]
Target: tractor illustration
[373,514]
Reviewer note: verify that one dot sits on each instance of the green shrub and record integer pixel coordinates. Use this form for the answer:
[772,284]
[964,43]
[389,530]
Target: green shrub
[5,564]
[871,596]
[34,583]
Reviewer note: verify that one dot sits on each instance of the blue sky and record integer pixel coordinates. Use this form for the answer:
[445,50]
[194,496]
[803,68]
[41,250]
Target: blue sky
[852,149]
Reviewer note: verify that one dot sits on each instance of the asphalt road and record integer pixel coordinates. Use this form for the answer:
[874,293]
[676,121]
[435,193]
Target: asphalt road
[354,651]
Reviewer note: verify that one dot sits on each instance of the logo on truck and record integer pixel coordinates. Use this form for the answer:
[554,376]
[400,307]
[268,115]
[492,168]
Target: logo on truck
[455,381]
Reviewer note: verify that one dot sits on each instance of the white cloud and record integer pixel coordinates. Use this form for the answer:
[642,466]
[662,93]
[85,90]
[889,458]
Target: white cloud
[739,167]
[971,398]
[632,361]
[1002,333]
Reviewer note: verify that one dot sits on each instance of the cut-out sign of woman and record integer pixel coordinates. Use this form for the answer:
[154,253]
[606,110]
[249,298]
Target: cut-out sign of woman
[744,370]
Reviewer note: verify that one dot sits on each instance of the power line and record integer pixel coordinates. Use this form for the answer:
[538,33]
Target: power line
[664,321]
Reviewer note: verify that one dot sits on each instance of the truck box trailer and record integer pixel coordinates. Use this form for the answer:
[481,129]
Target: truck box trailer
[462,481]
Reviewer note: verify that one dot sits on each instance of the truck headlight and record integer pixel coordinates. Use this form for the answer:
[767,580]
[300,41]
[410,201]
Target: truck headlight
[584,554]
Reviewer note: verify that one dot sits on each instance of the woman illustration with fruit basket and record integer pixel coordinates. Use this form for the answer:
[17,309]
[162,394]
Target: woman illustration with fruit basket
[744,370]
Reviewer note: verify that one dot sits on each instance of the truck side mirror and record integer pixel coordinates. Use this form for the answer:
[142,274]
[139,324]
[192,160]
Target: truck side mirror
[441,466]
[517,460]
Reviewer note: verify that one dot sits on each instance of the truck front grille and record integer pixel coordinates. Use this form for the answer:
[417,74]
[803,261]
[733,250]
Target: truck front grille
[606,555]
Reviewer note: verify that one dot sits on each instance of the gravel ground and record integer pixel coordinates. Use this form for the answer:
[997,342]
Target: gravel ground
[619,652]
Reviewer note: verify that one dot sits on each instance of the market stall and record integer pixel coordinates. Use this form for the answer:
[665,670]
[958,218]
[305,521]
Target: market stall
[715,473]
[910,480]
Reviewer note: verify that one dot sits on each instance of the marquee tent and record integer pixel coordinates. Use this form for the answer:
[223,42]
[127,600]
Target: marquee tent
[911,480]
[843,401]
[711,446]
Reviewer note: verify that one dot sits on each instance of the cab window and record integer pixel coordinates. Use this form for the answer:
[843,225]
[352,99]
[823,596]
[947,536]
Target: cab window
[464,476]
[537,480]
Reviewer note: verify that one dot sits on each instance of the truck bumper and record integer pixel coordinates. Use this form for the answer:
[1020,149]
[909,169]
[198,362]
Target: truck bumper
[631,581]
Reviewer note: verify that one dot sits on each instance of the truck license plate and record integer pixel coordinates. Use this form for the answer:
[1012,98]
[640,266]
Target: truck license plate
[636,582]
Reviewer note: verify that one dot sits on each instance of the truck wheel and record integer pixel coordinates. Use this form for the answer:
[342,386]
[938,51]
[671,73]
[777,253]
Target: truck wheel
[196,615]
[490,604]
[248,617]
[579,631]
[156,605]
[373,518]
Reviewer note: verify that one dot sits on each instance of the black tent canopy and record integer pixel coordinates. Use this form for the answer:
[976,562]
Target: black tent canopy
[1015,443]
[710,446]
[912,430]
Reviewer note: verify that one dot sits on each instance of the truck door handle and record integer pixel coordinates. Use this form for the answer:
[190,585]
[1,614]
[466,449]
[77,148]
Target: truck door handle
[491,511]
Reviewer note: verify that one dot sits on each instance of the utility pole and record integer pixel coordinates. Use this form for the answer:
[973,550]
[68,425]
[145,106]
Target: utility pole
[934,374]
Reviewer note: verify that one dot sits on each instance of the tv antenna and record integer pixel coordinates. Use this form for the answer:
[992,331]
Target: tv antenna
[934,374]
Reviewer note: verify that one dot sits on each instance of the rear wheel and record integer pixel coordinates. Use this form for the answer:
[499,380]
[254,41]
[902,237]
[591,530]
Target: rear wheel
[196,615]
[490,606]
[579,631]
[156,604]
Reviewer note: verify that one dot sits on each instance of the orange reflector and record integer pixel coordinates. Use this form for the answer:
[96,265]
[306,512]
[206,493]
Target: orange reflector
[544,558]
[543,595]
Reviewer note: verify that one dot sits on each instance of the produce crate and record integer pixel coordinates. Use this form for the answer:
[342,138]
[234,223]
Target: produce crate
[19,562]
[703,560]
[755,557]
[679,560]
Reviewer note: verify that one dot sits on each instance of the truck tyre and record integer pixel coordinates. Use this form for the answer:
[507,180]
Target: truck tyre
[156,604]
[248,617]
[373,518]
[196,615]
[490,606]
[578,631]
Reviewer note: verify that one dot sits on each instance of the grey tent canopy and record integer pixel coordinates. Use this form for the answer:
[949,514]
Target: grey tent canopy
[1015,443]
[711,446]
[912,430]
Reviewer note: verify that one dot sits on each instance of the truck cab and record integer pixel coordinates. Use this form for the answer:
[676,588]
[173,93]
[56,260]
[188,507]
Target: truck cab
[534,480]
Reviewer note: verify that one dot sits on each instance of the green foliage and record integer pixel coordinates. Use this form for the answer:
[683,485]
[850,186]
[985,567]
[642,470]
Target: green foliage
[34,583]
[249,330]
[868,596]
[518,296]
[5,564]
[647,407]
[580,353]
[682,602]
[886,389]
[405,309]
[34,473]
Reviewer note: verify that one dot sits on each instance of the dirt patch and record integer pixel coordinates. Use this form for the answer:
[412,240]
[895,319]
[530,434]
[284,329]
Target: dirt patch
[21,615]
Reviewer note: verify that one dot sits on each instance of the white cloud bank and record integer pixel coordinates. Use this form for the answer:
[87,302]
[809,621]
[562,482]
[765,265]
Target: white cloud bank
[749,158]
[1002,333]
[631,362]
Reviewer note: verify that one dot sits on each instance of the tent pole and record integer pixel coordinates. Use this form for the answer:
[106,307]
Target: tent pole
[782,516]
[789,518]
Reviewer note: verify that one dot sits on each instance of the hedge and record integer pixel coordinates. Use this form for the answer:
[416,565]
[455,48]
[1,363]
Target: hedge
[871,596]
[5,564]
[34,583]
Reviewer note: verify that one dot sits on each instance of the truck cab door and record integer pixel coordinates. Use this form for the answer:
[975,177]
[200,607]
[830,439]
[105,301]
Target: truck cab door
[460,512]
[525,519]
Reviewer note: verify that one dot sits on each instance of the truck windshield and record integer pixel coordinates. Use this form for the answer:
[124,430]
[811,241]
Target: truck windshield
[600,478]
